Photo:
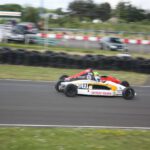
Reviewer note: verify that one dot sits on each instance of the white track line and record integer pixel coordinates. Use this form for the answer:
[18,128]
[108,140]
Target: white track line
[144,86]
[73,126]
[16,80]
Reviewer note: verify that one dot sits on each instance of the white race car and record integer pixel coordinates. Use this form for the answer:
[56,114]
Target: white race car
[91,87]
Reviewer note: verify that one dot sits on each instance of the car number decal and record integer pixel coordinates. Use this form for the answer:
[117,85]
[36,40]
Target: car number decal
[83,86]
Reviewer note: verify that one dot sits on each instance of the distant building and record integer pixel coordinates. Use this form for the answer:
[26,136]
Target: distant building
[97,21]
[9,15]
[52,15]
[113,20]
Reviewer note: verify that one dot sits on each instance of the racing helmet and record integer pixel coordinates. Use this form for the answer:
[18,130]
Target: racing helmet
[96,73]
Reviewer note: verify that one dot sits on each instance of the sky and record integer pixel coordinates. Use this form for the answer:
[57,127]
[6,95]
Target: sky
[53,4]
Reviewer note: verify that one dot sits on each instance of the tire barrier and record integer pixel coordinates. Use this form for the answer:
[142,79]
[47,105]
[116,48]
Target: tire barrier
[64,60]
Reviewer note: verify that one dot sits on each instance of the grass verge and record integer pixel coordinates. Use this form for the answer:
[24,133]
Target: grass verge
[49,74]
[57,49]
[70,50]
[73,139]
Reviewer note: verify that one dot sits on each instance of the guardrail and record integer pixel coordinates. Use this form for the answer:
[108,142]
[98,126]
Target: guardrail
[44,41]
[91,38]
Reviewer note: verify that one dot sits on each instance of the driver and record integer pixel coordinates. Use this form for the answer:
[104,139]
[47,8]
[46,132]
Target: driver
[96,76]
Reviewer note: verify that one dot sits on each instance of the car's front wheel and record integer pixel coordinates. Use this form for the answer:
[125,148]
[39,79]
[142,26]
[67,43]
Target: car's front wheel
[70,90]
[128,93]
[57,86]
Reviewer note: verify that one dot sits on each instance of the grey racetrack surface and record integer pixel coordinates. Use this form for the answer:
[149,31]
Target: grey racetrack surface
[24,102]
[95,45]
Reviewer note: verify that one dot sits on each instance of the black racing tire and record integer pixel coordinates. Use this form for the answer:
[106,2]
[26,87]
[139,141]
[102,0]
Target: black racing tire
[62,78]
[70,90]
[128,93]
[125,83]
[57,86]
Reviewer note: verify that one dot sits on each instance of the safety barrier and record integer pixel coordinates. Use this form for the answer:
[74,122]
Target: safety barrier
[90,38]
[64,60]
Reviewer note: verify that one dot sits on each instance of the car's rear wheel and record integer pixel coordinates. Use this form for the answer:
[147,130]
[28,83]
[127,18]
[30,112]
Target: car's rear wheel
[125,83]
[70,90]
[128,93]
[62,78]
[57,86]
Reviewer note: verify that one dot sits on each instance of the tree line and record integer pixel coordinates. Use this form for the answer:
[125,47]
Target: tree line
[124,11]
[84,10]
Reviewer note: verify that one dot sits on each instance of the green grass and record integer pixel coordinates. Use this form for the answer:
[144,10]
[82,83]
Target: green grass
[57,49]
[106,26]
[49,74]
[130,27]
[80,51]
[73,139]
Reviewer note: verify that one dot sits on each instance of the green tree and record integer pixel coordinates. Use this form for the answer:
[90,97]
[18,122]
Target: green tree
[129,13]
[103,11]
[121,10]
[147,16]
[135,14]
[59,11]
[82,8]
[11,7]
[30,14]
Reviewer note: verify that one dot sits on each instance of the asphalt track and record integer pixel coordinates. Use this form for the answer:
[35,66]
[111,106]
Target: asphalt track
[27,102]
[95,45]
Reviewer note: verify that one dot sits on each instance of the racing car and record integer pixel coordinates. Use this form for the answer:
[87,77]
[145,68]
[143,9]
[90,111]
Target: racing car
[84,83]
[89,74]
[94,88]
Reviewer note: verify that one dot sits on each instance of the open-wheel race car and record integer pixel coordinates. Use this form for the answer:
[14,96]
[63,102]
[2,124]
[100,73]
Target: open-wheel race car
[84,83]
[89,74]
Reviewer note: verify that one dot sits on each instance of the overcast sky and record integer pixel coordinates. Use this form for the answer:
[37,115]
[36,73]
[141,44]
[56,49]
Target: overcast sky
[53,4]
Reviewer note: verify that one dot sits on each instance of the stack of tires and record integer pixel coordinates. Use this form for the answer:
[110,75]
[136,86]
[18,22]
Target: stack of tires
[64,60]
